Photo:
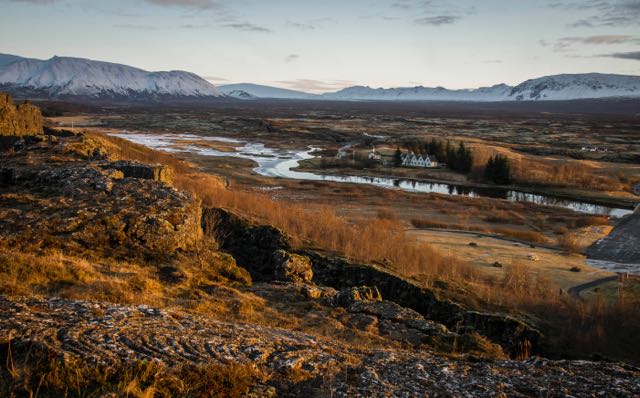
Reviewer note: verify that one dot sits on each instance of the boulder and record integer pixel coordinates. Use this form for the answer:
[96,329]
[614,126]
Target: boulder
[347,297]
[292,267]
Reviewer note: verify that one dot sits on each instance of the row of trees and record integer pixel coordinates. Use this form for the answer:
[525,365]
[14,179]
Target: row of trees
[460,158]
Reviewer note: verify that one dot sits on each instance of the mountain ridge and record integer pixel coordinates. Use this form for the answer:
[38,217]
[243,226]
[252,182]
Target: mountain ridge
[62,77]
[70,76]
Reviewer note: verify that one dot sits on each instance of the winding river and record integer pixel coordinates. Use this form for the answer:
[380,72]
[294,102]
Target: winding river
[278,163]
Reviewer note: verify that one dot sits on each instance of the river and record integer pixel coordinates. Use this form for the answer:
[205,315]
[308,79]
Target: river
[278,163]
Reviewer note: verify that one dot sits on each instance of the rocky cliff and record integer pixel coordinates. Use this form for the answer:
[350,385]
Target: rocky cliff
[21,120]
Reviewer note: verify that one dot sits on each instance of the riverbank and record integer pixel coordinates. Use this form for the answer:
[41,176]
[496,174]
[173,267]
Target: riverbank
[458,180]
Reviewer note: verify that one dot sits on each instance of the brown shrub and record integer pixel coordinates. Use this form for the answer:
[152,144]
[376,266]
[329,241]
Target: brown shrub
[570,243]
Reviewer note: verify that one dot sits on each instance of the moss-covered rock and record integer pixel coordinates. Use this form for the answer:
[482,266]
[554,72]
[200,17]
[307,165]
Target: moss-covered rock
[21,120]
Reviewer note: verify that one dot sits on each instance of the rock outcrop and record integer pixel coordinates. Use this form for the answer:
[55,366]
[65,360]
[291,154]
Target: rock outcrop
[156,172]
[622,245]
[255,246]
[79,204]
[511,333]
[21,120]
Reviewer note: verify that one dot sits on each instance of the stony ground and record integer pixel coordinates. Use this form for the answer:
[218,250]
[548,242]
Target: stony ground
[106,332]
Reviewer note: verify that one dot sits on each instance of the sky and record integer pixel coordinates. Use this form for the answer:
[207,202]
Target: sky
[320,46]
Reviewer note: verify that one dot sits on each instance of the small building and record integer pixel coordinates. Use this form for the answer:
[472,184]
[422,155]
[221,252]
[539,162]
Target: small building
[413,160]
[373,155]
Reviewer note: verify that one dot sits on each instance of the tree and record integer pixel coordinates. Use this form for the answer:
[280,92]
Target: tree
[464,159]
[451,157]
[498,170]
[397,157]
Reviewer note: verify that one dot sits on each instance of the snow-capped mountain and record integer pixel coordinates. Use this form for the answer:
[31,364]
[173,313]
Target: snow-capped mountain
[498,92]
[259,91]
[66,76]
[577,86]
[549,88]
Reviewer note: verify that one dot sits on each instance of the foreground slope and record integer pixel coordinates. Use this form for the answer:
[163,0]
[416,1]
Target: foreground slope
[92,332]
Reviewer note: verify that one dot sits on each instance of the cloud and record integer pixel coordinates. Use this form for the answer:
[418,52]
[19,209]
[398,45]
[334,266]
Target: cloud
[194,26]
[634,55]
[566,43]
[134,26]
[38,2]
[299,25]
[613,13]
[215,78]
[291,58]
[312,85]
[196,4]
[247,27]
[437,20]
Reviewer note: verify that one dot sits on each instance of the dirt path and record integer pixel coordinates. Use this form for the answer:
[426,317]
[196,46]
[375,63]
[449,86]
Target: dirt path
[576,290]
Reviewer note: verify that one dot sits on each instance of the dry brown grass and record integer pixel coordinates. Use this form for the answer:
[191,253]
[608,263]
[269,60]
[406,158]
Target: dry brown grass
[565,173]
[529,236]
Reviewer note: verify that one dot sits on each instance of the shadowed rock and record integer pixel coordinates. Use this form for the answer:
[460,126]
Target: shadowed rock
[292,267]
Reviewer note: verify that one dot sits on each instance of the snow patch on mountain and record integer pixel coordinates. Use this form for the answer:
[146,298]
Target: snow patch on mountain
[260,91]
[577,86]
[360,93]
[77,76]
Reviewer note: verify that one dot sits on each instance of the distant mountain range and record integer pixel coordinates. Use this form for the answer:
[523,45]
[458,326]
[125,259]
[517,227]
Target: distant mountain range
[548,88]
[249,90]
[65,77]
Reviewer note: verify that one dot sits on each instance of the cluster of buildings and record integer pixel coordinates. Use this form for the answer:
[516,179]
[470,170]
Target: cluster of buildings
[413,160]
[409,159]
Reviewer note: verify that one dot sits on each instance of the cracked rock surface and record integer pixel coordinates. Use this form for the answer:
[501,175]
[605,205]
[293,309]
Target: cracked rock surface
[107,332]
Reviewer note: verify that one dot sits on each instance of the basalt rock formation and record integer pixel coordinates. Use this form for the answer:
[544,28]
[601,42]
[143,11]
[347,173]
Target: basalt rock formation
[98,208]
[21,120]
[254,248]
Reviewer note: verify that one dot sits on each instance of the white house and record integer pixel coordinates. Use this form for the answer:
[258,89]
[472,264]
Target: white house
[373,155]
[413,160]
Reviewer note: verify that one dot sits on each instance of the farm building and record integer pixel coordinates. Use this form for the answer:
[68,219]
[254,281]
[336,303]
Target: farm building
[413,160]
